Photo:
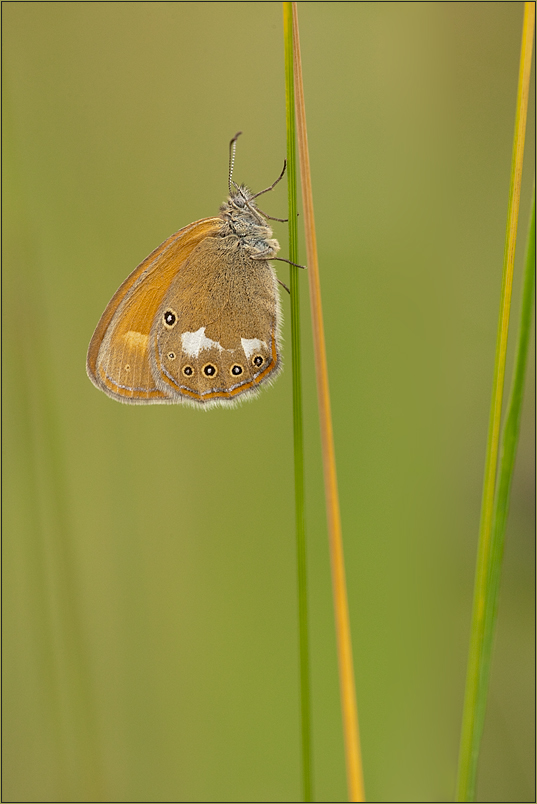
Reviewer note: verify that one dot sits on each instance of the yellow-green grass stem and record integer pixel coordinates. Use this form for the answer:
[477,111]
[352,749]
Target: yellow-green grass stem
[487,575]
[351,735]
[511,429]
[298,428]
[508,447]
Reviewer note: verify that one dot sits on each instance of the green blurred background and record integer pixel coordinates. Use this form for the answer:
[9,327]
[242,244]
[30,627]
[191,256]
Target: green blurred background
[150,613]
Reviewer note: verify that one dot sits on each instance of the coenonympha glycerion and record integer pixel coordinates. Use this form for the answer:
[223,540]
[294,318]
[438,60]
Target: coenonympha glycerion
[198,320]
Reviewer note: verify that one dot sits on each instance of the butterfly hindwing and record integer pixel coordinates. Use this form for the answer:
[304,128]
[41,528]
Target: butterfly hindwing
[215,336]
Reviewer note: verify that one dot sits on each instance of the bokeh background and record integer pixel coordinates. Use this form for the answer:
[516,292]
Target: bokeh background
[150,612]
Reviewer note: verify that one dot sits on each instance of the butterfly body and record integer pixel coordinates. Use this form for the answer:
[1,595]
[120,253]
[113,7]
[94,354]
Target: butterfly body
[198,321]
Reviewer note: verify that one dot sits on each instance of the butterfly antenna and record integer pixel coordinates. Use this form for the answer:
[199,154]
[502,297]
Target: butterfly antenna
[273,185]
[232,148]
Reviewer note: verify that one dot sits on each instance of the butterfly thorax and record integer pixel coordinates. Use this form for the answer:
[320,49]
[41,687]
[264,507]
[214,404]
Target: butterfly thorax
[243,221]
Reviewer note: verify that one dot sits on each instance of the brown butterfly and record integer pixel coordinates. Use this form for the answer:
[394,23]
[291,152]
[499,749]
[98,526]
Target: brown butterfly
[198,321]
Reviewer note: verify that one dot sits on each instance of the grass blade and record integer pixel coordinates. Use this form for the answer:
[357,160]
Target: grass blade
[487,575]
[298,439]
[508,447]
[511,427]
[346,673]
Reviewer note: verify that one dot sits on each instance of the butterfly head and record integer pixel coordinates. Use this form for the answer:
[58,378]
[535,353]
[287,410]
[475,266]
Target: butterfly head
[240,204]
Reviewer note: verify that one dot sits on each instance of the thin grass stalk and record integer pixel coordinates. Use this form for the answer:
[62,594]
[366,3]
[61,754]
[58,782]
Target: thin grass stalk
[344,646]
[511,426]
[508,447]
[477,674]
[298,430]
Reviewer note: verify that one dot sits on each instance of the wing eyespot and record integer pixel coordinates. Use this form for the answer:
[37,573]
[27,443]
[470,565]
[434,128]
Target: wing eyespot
[210,370]
[187,370]
[258,360]
[236,370]
[169,318]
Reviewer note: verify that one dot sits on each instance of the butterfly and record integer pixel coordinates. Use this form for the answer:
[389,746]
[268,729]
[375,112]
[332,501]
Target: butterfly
[198,321]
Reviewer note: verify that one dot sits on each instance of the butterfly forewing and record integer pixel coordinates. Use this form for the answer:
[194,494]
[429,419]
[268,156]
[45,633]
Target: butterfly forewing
[118,356]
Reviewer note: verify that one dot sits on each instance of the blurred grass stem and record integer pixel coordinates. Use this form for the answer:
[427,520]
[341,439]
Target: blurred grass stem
[346,673]
[493,515]
[298,429]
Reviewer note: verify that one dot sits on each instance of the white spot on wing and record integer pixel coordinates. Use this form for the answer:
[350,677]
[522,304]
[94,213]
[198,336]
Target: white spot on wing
[252,345]
[194,342]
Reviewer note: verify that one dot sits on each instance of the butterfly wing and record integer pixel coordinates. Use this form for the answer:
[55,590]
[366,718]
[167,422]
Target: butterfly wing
[118,360]
[215,336]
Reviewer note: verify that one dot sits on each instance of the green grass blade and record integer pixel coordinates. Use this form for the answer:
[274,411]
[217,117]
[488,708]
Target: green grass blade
[514,410]
[483,605]
[508,447]
[349,710]
[298,440]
